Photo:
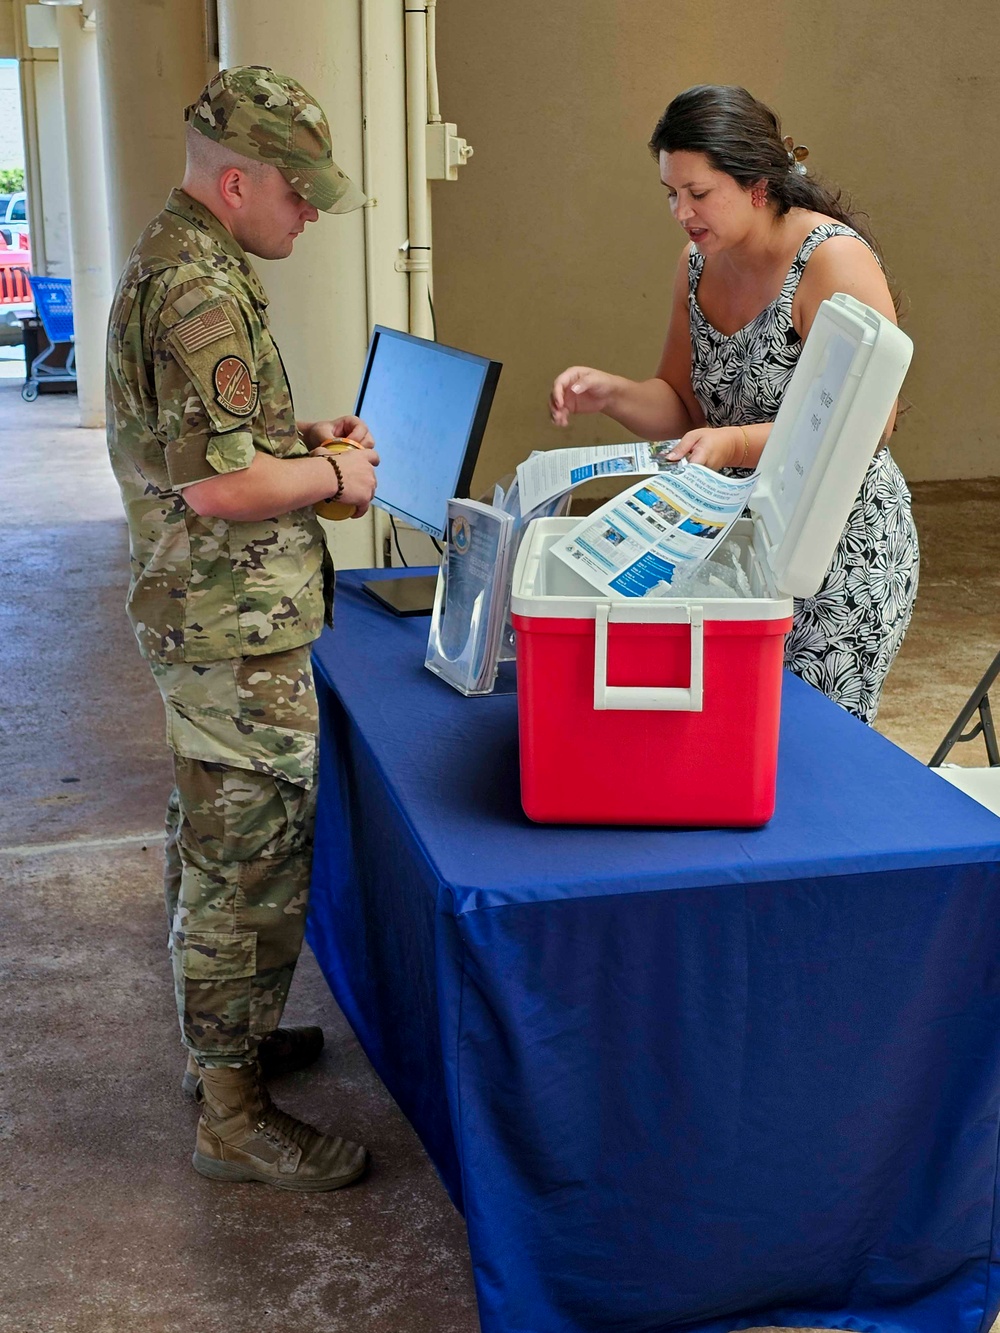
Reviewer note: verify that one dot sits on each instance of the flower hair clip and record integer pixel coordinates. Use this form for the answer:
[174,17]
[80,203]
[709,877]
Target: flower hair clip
[797,154]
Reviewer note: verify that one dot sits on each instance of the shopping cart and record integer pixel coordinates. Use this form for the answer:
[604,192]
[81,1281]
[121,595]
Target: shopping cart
[54,305]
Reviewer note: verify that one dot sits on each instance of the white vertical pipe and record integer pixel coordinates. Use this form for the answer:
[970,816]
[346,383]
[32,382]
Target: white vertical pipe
[433,95]
[367,158]
[383,101]
[211,39]
[419,195]
[90,255]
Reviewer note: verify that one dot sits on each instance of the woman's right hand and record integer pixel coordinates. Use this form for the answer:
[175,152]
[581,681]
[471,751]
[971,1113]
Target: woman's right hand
[581,389]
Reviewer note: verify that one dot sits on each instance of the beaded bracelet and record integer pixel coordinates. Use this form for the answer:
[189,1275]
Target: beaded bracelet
[340,478]
[342,445]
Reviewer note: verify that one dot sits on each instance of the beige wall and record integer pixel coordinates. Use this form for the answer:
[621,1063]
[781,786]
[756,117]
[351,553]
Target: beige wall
[8,37]
[556,245]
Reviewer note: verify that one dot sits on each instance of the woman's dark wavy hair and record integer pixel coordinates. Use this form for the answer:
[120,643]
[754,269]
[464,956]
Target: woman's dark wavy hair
[742,137]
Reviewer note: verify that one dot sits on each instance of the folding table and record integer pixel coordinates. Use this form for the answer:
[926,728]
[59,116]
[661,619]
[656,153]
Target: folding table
[676,1080]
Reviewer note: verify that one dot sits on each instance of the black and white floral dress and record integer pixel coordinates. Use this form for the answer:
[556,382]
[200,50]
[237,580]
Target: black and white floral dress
[844,639]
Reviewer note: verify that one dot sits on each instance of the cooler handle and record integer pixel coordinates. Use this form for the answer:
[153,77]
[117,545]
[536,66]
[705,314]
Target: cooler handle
[645,697]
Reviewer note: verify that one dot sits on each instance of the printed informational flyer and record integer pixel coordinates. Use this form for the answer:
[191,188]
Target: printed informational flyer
[637,541]
[547,474]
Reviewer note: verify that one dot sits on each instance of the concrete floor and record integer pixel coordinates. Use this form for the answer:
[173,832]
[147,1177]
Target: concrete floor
[105,1228]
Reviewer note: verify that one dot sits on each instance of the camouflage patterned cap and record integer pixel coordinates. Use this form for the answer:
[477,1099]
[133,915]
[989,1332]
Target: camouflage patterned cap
[271,118]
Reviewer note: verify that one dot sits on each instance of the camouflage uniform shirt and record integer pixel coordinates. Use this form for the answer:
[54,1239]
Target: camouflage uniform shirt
[195,385]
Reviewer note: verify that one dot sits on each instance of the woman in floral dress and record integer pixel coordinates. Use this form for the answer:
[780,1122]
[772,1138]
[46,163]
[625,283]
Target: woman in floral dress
[768,244]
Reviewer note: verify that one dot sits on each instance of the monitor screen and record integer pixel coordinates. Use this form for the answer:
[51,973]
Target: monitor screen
[426,406]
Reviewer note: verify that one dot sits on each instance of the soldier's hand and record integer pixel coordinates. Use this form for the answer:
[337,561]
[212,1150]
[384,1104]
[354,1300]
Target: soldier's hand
[343,428]
[357,467]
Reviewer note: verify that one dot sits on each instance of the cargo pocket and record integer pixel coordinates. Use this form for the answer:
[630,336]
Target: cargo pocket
[257,714]
[214,973]
[211,954]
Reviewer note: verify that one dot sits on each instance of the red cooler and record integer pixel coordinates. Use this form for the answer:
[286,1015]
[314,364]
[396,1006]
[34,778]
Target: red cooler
[665,711]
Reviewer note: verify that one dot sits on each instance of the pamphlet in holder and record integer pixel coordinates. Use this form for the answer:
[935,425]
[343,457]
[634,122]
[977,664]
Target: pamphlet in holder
[470,602]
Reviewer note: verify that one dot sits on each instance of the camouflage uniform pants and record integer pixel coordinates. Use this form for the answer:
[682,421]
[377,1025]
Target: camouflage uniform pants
[239,842]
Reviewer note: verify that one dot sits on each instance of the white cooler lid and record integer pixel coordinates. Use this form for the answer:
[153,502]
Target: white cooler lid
[824,437]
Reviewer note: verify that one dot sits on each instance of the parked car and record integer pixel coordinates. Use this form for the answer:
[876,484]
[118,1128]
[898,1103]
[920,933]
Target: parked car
[14,216]
[14,207]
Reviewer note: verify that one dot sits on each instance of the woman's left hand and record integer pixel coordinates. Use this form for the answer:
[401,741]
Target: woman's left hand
[714,447]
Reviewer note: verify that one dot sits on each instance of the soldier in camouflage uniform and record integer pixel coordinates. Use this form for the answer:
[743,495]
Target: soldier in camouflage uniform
[231,582]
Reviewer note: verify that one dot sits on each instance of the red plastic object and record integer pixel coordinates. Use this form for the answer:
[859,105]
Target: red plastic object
[715,768]
[14,285]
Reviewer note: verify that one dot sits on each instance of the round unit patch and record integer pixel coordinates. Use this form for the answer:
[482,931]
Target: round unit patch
[461,534]
[235,388]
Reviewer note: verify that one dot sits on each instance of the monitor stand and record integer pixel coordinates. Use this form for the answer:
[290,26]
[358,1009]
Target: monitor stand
[413,596]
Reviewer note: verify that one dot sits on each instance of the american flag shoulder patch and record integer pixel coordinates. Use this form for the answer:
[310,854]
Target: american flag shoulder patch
[200,330]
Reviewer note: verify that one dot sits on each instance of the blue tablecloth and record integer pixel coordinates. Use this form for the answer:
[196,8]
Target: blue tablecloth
[676,1080]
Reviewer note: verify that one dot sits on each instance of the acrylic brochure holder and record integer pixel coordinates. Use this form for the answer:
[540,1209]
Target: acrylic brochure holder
[471,634]
[470,602]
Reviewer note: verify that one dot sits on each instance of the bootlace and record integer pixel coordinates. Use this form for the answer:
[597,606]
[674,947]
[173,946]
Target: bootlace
[285,1130]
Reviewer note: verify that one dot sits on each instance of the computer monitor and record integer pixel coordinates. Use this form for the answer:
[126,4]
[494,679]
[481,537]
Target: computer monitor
[426,405]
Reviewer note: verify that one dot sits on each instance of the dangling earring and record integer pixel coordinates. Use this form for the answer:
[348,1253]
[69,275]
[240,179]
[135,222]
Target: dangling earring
[759,198]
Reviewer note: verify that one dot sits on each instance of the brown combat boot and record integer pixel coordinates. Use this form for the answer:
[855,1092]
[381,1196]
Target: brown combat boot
[281,1052]
[242,1136]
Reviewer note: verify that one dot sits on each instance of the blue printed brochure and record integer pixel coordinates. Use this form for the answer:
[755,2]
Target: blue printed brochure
[470,602]
[637,542]
[554,472]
